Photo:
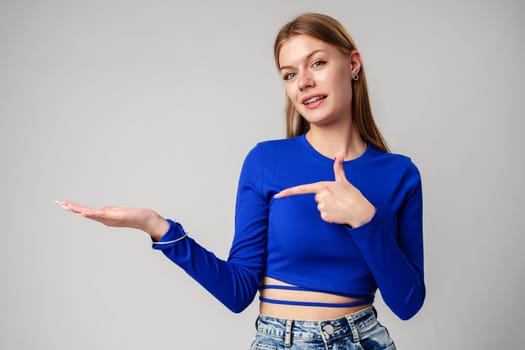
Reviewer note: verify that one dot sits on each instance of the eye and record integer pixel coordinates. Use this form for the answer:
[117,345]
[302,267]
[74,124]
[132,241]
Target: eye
[289,76]
[318,63]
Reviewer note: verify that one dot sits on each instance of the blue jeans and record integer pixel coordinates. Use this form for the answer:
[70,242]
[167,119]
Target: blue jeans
[358,331]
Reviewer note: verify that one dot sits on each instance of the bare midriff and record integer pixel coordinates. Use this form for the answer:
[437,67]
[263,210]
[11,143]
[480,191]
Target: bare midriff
[300,312]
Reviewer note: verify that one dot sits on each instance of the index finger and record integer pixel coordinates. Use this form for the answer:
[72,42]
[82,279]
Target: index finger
[300,189]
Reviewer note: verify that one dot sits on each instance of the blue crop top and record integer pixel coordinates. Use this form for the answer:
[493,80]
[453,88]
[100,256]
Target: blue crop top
[287,240]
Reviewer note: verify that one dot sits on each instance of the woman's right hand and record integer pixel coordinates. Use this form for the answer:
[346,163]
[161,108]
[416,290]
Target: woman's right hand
[143,219]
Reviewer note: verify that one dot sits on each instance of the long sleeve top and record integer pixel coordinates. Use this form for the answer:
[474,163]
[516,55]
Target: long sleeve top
[286,238]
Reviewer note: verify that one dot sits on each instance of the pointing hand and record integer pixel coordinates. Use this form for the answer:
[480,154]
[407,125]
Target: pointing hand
[337,201]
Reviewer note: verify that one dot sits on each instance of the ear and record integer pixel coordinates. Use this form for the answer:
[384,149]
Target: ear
[355,62]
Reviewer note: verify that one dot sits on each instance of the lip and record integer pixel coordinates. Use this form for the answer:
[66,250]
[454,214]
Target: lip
[316,103]
[312,96]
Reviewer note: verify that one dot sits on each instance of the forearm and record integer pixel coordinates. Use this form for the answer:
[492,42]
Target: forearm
[398,275]
[234,282]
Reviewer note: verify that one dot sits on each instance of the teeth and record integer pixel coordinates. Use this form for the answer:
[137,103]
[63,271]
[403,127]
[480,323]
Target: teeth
[313,99]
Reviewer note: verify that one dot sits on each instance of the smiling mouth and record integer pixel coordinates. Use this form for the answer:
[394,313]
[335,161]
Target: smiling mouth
[313,99]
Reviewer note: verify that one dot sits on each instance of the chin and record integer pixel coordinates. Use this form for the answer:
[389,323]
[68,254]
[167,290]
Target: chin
[320,120]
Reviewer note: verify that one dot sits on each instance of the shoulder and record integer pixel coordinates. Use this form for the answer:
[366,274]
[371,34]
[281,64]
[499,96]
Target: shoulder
[274,148]
[391,158]
[395,162]
[277,144]
[269,150]
[266,159]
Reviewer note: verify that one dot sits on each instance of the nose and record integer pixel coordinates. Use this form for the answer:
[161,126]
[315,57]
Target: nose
[305,80]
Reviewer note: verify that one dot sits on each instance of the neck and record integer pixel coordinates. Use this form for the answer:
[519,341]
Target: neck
[336,140]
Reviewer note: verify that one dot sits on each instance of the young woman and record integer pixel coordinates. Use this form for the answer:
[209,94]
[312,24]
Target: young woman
[323,218]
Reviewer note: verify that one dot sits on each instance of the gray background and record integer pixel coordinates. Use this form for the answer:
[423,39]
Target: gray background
[155,104]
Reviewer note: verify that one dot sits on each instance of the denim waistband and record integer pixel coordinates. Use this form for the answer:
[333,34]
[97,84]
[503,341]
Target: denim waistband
[350,325]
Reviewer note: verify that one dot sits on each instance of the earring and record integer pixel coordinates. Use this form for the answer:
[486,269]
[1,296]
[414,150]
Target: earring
[356,77]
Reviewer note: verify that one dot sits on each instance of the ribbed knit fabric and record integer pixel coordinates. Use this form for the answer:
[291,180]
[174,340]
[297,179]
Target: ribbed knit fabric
[286,238]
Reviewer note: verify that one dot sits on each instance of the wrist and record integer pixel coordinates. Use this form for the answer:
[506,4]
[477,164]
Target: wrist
[156,226]
[364,217]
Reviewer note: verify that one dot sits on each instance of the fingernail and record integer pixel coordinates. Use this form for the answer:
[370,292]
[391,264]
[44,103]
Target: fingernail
[62,205]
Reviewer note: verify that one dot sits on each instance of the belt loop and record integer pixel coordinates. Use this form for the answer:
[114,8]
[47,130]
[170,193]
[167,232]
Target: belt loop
[353,328]
[288,334]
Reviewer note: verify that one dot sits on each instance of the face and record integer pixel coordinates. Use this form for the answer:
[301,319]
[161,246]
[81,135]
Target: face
[318,79]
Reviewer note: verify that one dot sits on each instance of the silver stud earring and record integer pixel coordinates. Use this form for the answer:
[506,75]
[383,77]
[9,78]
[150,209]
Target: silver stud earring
[356,77]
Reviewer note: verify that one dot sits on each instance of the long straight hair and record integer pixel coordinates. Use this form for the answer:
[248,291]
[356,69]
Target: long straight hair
[329,30]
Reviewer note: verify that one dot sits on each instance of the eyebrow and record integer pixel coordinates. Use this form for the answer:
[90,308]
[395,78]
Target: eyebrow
[307,57]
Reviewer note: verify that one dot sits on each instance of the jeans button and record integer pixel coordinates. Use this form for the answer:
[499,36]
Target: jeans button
[329,329]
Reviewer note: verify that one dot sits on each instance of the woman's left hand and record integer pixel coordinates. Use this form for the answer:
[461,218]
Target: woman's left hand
[338,201]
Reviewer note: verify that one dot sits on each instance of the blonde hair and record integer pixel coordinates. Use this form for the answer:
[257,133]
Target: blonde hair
[332,32]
